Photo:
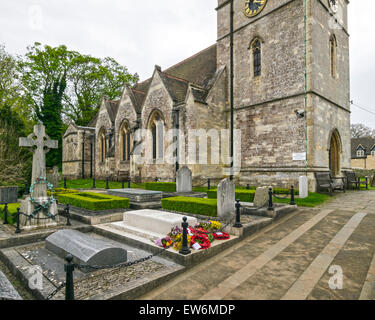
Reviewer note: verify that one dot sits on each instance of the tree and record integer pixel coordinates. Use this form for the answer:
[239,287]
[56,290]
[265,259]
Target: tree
[15,162]
[89,80]
[62,85]
[359,130]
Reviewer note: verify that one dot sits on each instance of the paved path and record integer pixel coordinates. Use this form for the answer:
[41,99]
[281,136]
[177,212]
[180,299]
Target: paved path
[295,258]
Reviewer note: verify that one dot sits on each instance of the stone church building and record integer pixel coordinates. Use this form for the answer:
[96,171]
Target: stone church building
[291,101]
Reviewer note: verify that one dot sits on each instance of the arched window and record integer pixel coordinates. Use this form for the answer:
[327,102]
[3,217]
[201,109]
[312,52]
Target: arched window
[156,125]
[125,141]
[333,55]
[257,57]
[102,145]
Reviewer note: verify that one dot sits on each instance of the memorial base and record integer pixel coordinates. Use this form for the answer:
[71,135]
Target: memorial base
[39,221]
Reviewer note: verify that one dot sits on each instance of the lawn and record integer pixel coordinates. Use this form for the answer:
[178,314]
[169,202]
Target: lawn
[313,200]
[100,184]
[12,210]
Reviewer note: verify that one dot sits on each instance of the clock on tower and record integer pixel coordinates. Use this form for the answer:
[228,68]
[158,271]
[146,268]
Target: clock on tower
[254,7]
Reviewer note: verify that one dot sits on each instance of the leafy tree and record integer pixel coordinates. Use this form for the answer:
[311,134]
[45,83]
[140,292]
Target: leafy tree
[89,80]
[359,130]
[15,162]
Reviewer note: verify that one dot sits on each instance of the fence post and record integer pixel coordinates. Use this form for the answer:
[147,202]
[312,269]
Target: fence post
[93,183]
[292,202]
[238,215]
[107,183]
[69,268]
[208,183]
[64,182]
[129,183]
[270,200]
[18,230]
[123,184]
[185,248]
[248,187]
[5,213]
[67,210]
[26,189]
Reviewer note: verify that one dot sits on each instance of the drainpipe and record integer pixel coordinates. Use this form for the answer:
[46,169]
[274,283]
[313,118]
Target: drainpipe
[231,92]
[306,87]
[83,155]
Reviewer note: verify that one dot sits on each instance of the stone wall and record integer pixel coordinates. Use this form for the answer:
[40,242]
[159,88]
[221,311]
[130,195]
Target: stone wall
[364,163]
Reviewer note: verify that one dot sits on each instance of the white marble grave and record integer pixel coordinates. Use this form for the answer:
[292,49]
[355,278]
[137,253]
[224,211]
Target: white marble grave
[303,187]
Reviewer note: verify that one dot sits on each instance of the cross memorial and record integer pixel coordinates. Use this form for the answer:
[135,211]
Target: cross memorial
[40,144]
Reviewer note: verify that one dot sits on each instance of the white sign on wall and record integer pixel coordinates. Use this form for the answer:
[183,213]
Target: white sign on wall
[299,156]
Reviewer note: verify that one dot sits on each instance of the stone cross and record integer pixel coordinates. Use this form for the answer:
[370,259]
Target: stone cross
[40,144]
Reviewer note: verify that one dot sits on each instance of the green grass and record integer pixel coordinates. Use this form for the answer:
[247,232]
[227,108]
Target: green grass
[207,207]
[242,194]
[12,210]
[100,184]
[313,200]
[161,186]
[94,201]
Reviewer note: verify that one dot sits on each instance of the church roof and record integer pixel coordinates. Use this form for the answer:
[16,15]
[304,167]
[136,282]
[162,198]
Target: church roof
[176,87]
[139,97]
[367,143]
[112,108]
[198,69]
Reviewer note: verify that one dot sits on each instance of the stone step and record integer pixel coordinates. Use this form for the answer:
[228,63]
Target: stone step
[121,226]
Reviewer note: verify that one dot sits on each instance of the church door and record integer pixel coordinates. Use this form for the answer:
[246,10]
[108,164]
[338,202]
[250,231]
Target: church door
[335,154]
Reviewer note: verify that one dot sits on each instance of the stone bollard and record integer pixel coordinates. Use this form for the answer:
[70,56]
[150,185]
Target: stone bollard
[69,268]
[5,213]
[270,199]
[238,215]
[292,202]
[18,230]
[185,246]
[67,211]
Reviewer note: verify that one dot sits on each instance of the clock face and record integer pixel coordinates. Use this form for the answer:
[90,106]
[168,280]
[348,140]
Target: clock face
[253,7]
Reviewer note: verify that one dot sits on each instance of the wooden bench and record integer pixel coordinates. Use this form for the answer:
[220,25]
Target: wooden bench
[351,179]
[362,183]
[327,182]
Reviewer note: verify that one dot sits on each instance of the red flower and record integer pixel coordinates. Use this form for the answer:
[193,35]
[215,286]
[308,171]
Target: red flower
[221,236]
[202,239]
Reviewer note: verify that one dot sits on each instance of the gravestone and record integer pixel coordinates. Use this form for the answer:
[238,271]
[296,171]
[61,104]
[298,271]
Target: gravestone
[8,194]
[53,176]
[184,180]
[372,183]
[303,187]
[261,197]
[7,291]
[39,144]
[85,249]
[226,197]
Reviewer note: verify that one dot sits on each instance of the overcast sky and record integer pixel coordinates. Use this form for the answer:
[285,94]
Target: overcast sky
[140,34]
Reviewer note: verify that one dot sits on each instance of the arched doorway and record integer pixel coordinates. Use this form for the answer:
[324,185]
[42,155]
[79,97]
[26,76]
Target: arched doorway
[335,154]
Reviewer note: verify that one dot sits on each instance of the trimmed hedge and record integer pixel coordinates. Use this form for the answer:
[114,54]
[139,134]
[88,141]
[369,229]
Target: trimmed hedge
[94,201]
[207,207]
[12,211]
[161,186]
[59,191]
[243,195]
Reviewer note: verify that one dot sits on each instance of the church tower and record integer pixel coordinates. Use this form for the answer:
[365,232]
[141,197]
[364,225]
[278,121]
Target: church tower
[291,86]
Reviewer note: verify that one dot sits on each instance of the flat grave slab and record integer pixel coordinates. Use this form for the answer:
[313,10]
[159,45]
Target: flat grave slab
[117,283]
[7,291]
[160,222]
[84,248]
[137,195]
